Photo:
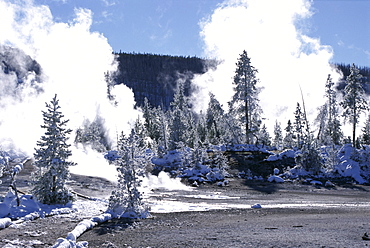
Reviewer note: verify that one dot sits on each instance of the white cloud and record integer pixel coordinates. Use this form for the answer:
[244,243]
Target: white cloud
[109,3]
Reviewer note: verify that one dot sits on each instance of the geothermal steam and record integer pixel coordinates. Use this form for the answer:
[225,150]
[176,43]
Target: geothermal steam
[73,62]
[272,33]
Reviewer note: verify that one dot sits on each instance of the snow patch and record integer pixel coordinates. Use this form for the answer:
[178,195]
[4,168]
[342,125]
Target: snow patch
[285,154]
[275,179]
[257,205]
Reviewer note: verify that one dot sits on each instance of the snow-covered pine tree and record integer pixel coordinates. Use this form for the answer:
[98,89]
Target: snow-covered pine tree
[182,124]
[126,200]
[354,100]
[278,136]
[288,141]
[140,131]
[51,158]
[151,117]
[109,79]
[333,126]
[202,130]
[322,120]
[215,121]
[245,103]
[299,126]
[263,136]
[163,141]
[93,134]
[4,162]
[220,161]
[310,158]
[365,137]
[329,126]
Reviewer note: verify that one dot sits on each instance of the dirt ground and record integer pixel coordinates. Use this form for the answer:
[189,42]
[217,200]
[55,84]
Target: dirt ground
[341,225]
[318,217]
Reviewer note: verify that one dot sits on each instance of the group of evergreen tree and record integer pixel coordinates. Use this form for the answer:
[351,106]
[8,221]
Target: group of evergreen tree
[180,126]
[177,127]
[243,121]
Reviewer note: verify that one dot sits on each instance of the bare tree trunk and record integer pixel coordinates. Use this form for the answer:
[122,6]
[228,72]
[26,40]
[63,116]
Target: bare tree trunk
[354,134]
[354,126]
[247,122]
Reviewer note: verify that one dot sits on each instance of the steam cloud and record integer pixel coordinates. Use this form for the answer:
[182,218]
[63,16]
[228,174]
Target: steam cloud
[273,34]
[73,62]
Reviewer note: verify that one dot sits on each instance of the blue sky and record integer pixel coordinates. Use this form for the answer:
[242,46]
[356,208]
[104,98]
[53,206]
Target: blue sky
[172,26]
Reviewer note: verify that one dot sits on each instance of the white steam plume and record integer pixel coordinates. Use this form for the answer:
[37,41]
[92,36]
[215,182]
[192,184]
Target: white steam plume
[73,62]
[272,34]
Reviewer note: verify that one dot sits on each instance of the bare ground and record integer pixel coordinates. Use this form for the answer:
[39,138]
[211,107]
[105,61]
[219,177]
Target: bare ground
[340,224]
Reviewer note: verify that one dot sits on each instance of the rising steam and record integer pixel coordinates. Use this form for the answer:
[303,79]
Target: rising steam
[73,61]
[273,34]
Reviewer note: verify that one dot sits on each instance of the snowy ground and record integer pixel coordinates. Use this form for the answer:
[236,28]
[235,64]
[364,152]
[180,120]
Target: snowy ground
[290,199]
[37,225]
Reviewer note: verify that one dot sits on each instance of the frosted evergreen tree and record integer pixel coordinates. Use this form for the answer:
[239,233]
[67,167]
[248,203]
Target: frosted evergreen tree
[4,162]
[288,140]
[109,79]
[152,123]
[365,139]
[329,126]
[51,158]
[310,158]
[245,103]
[220,161]
[93,134]
[141,132]
[299,126]
[354,101]
[278,136]
[202,130]
[182,124]
[264,136]
[334,127]
[126,200]
[163,141]
[215,121]
[233,131]
[322,120]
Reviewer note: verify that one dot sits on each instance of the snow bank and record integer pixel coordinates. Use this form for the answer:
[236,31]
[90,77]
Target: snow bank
[257,205]
[315,182]
[349,165]
[9,207]
[66,243]
[275,179]
[285,154]
[29,209]
[5,222]
[248,148]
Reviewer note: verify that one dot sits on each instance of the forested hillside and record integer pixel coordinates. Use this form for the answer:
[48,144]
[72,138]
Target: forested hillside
[155,76]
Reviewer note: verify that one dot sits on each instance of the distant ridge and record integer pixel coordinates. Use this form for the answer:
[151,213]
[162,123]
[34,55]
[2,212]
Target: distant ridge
[155,76]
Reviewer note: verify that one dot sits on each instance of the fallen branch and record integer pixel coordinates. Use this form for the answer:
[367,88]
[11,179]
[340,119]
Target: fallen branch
[83,196]
[19,191]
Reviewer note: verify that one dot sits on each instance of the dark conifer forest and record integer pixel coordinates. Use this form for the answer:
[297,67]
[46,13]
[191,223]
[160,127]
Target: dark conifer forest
[155,76]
